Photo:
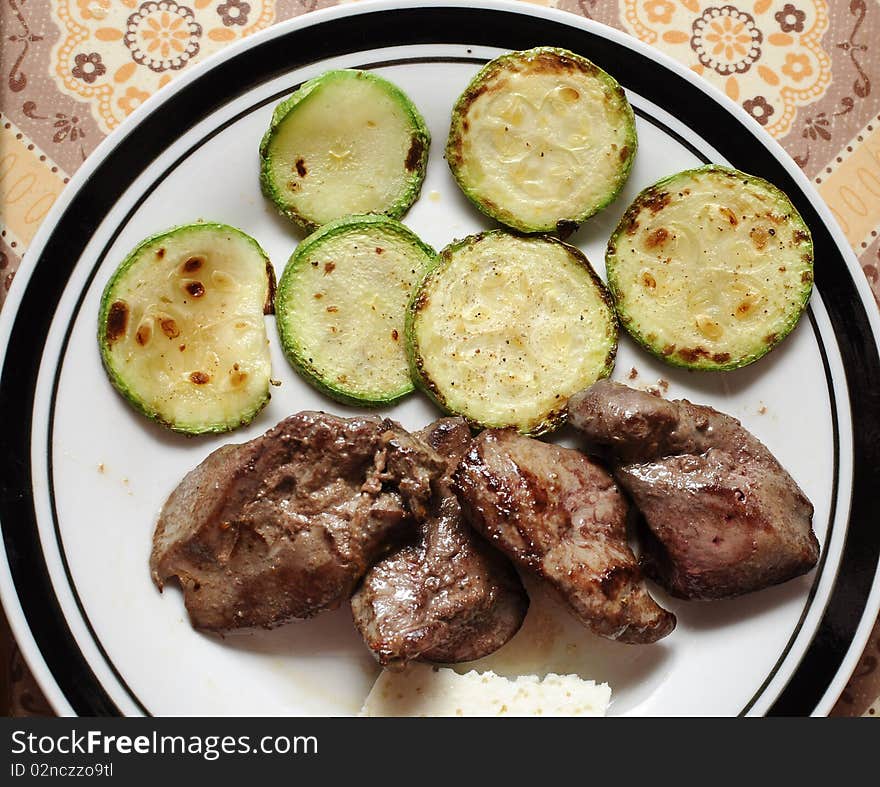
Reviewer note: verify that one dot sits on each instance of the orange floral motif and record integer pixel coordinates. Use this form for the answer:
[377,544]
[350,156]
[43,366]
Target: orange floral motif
[767,55]
[659,11]
[728,37]
[128,49]
[132,99]
[797,66]
[93,9]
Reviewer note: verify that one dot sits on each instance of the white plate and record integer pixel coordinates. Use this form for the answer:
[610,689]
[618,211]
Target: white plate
[84,476]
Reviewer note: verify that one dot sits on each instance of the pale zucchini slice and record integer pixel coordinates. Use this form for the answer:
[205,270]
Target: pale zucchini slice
[341,303]
[505,328]
[541,140]
[181,328]
[346,142]
[710,268]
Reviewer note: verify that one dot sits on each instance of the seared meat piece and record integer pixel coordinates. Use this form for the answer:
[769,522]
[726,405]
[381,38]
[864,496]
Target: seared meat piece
[448,596]
[284,526]
[724,516]
[557,513]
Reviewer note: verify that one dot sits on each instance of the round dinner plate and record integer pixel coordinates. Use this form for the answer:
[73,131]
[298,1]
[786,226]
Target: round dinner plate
[84,476]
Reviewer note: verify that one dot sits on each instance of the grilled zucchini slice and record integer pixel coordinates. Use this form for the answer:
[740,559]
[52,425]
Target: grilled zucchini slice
[505,328]
[346,142]
[541,140]
[710,268]
[181,328]
[341,303]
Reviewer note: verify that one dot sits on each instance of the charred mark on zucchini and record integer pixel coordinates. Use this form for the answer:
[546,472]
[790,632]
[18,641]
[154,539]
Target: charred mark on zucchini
[193,264]
[561,62]
[269,305]
[744,308]
[692,354]
[200,378]
[117,321]
[236,376]
[655,201]
[475,92]
[760,237]
[709,328]
[657,238]
[195,288]
[169,328]
[301,168]
[566,227]
[144,334]
[731,217]
[422,301]
[414,156]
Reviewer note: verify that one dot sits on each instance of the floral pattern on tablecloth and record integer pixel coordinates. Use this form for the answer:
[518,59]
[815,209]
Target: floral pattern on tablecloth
[766,55]
[116,53]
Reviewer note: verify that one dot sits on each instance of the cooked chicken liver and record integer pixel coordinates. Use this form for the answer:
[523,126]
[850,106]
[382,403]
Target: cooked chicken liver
[560,515]
[285,526]
[448,596]
[723,516]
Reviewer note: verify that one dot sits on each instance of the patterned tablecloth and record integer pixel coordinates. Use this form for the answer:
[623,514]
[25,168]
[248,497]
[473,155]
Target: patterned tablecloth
[807,70]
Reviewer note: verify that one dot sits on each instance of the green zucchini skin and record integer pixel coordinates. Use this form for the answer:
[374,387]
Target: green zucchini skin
[414,161]
[550,418]
[542,60]
[376,230]
[127,388]
[791,273]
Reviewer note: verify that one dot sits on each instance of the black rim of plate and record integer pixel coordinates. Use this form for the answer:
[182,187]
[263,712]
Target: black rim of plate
[368,31]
